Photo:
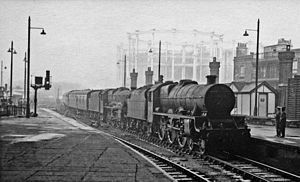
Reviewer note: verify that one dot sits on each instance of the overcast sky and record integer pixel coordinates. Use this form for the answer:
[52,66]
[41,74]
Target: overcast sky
[82,35]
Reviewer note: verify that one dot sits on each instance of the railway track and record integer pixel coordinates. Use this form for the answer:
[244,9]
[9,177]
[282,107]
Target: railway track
[253,170]
[236,167]
[175,171]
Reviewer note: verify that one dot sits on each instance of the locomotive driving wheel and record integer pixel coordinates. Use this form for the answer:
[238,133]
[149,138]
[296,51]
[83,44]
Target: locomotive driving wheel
[202,146]
[162,129]
[128,124]
[117,124]
[181,141]
[171,136]
[124,124]
[190,144]
[148,130]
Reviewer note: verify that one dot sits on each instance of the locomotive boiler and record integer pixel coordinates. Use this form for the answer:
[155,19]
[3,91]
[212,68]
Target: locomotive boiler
[215,100]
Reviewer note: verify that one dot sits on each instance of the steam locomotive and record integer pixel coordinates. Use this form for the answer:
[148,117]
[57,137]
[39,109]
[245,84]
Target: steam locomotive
[185,113]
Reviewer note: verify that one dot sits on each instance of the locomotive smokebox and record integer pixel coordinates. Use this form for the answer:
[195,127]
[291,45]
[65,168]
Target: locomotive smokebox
[211,79]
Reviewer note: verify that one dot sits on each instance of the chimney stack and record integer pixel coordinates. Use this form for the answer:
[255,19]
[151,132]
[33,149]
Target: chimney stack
[241,49]
[285,72]
[133,77]
[149,76]
[214,68]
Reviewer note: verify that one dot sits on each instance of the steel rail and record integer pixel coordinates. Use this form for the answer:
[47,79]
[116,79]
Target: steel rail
[235,169]
[270,168]
[176,171]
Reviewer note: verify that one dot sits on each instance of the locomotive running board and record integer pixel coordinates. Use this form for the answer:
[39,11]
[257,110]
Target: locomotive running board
[177,116]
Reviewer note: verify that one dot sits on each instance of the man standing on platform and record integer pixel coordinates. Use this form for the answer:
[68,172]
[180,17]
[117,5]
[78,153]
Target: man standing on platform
[282,122]
[277,121]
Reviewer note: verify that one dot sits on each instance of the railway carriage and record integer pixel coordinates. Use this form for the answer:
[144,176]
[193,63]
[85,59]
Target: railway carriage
[185,113]
[78,100]
[66,99]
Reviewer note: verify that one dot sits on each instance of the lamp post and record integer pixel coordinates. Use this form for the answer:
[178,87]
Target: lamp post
[125,70]
[12,52]
[28,65]
[256,69]
[159,54]
[159,79]
[25,61]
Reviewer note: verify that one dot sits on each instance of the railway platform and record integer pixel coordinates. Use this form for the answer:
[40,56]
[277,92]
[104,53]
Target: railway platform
[268,133]
[52,147]
[266,147]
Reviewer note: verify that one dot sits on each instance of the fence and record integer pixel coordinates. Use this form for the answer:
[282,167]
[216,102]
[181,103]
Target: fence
[12,110]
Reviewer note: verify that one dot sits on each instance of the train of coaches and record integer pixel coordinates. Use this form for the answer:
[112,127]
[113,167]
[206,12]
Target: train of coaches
[185,113]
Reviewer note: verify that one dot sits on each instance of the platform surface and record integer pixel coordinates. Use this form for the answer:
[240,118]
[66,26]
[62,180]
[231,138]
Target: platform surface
[51,147]
[268,133]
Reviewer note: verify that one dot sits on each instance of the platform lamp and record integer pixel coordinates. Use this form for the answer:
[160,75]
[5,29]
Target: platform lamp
[256,69]
[28,65]
[12,51]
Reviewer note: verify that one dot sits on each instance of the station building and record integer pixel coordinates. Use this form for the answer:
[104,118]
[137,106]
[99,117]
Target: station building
[245,98]
[278,70]
[269,63]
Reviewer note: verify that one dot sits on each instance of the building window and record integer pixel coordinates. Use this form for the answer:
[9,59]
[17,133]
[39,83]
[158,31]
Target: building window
[242,71]
[264,72]
[295,67]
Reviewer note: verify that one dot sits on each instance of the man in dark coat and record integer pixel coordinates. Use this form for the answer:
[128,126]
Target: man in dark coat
[277,121]
[282,122]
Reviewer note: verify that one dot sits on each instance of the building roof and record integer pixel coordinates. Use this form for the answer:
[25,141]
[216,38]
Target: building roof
[238,85]
[247,87]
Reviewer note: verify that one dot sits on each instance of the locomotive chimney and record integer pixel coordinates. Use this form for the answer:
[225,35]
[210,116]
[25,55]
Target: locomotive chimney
[149,76]
[133,77]
[214,68]
[211,79]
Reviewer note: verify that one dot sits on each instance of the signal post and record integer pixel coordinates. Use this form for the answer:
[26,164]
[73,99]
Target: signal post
[39,84]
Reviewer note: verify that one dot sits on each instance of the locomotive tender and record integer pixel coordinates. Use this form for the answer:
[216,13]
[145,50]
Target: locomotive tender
[190,115]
